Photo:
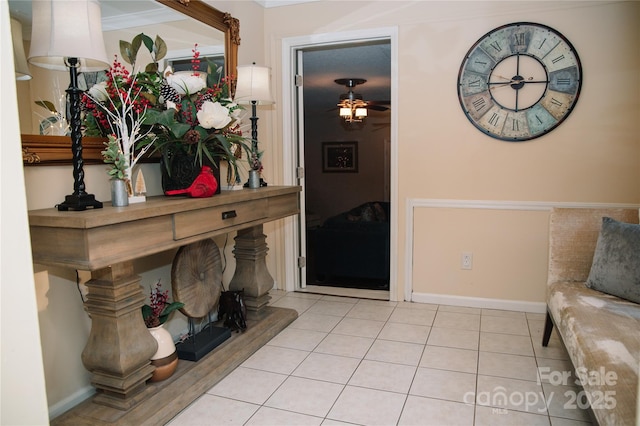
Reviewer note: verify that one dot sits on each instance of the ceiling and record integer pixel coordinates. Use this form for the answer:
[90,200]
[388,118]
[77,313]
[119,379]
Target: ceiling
[370,61]
[116,14]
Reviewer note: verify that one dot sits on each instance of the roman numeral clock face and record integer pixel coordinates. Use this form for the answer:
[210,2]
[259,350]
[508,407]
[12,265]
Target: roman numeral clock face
[519,81]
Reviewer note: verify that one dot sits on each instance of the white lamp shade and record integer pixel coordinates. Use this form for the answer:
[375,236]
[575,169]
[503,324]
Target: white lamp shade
[19,58]
[67,29]
[361,112]
[345,112]
[253,85]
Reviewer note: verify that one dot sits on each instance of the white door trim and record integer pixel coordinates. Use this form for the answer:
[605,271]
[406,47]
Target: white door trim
[289,48]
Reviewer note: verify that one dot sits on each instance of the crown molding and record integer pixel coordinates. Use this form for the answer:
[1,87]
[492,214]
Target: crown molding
[278,3]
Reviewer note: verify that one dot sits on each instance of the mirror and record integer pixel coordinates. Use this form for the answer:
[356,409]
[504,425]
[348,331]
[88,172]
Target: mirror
[49,150]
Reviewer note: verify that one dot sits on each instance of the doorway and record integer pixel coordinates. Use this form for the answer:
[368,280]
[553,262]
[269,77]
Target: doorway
[346,232]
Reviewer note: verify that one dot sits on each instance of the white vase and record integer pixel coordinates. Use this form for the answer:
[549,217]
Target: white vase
[166,357]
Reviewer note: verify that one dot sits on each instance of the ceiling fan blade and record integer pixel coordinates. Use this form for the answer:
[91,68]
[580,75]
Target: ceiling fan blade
[379,102]
[377,107]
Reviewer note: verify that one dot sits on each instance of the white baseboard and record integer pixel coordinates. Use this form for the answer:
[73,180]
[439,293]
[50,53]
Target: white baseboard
[71,401]
[480,302]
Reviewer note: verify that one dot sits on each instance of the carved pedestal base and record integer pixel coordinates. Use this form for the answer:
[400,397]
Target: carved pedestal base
[251,273]
[119,347]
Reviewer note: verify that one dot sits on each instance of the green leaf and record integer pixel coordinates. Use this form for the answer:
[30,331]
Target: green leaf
[161,48]
[136,43]
[149,96]
[165,118]
[146,311]
[48,105]
[148,42]
[152,67]
[47,122]
[168,309]
[126,51]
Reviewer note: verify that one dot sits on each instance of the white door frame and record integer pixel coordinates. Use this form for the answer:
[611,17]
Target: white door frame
[290,158]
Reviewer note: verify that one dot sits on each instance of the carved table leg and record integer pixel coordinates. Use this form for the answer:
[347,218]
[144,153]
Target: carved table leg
[251,269]
[119,347]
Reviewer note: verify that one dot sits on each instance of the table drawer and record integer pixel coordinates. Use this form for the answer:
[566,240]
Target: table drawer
[195,222]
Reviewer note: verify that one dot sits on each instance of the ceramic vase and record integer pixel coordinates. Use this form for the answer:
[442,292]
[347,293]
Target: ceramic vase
[119,195]
[166,357]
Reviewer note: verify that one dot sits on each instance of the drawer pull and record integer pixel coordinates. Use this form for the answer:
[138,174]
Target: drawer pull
[229,215]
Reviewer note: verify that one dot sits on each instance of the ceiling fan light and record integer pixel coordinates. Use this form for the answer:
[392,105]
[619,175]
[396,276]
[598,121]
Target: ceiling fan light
[345,112]
[361,112]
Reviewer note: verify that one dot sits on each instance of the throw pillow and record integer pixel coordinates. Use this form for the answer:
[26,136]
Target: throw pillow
[616,262]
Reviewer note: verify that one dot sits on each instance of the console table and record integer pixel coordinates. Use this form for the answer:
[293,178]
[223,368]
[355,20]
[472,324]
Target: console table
[106,241]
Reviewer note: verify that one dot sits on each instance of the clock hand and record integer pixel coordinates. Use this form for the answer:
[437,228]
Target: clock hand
[502,77]
[496,85]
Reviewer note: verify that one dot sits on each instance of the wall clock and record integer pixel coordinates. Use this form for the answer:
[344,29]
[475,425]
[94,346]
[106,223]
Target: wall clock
[519,81]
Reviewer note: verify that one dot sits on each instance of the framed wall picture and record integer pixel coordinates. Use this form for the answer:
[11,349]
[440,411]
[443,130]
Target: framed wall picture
[340,157]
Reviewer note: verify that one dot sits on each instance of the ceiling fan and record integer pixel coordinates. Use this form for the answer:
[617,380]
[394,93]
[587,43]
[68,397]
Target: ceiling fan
[352,106]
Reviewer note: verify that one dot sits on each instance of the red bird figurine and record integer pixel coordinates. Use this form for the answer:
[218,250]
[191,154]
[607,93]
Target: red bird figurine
[204,185]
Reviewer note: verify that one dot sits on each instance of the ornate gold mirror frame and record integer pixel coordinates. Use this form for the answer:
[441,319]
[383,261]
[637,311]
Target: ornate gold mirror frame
[40,150]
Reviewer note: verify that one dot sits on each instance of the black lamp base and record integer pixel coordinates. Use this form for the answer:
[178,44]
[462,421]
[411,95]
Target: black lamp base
[263,183]
[79,202]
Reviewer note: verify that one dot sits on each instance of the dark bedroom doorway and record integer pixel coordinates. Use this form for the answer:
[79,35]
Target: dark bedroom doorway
[347,164]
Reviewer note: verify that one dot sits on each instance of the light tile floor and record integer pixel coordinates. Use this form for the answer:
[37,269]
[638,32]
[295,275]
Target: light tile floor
[365,362]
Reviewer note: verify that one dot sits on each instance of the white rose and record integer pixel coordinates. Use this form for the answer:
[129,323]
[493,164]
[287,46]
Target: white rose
[186,83]
[213,115]
[99,92]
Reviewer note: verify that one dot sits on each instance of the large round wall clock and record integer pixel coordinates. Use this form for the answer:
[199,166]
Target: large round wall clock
[519,81]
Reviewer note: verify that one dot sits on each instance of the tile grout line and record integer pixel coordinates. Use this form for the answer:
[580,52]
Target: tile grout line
[378,338]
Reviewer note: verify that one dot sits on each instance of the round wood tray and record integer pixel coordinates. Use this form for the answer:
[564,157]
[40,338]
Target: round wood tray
[196,278]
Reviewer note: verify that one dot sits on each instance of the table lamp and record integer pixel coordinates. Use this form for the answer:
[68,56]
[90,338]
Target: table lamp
[65,35]
[19,57]
[253,87]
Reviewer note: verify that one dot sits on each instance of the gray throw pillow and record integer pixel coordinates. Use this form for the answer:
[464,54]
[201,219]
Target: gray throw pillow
[616,261]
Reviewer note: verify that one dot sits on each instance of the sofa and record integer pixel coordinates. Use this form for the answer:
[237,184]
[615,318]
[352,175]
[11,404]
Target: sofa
[354,244]
[590,258]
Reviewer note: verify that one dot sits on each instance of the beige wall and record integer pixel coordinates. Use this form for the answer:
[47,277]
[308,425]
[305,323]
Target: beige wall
[509,253]
[328,194]
[593,157]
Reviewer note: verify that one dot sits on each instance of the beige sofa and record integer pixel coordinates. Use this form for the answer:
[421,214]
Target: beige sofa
[601,332]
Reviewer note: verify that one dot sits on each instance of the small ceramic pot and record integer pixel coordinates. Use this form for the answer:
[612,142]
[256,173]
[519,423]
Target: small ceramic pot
[166,357]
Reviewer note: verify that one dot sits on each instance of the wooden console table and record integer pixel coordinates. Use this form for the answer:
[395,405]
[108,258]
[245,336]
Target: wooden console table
[106,241]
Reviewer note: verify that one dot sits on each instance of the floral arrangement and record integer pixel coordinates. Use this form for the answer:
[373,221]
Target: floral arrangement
[200,119]
[159,309]
[188,111]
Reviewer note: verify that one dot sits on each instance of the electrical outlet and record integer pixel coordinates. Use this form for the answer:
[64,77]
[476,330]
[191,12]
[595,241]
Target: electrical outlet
[467,260]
